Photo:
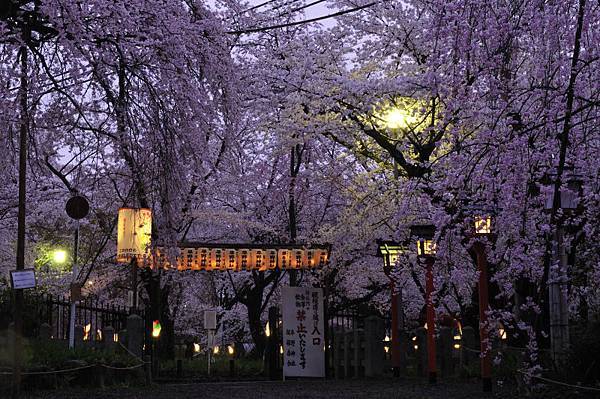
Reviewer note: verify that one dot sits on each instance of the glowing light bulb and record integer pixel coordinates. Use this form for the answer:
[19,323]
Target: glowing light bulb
[59,256]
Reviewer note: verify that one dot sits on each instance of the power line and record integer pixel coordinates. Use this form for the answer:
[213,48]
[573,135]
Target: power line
[258,6]
[277,7]
[289,12]
[305,21]
[304,6]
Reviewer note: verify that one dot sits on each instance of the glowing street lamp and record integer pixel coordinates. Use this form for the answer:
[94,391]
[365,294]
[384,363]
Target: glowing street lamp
[400,113]
[426,250]
[482,224]
[59,256]
[481,230]
[390,252]
[398,118]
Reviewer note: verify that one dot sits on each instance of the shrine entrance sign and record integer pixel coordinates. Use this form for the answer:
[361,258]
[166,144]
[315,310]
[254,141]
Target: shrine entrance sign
[303,332]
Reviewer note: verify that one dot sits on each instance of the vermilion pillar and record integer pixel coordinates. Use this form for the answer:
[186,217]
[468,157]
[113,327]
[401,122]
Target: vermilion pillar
[395,333]
[430,320]
[486,359]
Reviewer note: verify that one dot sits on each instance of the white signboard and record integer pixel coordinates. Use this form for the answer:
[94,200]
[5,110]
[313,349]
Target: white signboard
[303,332]
[210,320]
[22,279]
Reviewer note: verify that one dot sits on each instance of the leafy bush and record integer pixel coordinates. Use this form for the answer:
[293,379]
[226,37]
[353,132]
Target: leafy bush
[583,364]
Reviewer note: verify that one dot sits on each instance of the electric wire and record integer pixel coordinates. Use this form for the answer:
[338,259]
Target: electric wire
[258,6]
[302,22]
[287,12]
[302,7]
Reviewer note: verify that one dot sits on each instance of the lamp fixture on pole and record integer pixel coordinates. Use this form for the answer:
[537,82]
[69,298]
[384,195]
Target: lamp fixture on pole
[566,199]
[426,250]
[390,251]
[481,229]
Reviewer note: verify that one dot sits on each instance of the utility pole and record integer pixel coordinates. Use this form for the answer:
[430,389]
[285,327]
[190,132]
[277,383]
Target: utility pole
[558,296]
[295,162]
[23,130]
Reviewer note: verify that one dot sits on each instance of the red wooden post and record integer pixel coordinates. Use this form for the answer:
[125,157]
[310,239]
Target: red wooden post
[395,333]
[486,359]
[429,260]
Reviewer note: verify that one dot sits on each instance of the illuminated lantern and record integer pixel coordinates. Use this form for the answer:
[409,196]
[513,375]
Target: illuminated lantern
[134,230]
[482,224]
[86,331]
[426,247]
[390,251]
[284,259]
[322,256]
[311,258]
[244,260]
[231,259]
[298,260]
[218,259]
[204,259]
[271,259]
[156,327]
[185,259]
[259,259]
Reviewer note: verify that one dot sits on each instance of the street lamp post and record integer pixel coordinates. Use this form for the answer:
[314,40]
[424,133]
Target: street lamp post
[482,228]
[426,250]
[77,208]
[567,200]
[390,251]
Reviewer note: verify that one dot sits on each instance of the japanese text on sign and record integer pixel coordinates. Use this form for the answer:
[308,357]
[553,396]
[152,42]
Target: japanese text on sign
[303,340]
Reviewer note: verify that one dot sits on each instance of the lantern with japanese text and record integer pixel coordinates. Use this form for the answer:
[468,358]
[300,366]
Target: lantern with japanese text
[134,230]
[284,258]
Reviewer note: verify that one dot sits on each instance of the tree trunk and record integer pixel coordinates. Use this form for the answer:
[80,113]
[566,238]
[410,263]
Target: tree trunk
[253,305]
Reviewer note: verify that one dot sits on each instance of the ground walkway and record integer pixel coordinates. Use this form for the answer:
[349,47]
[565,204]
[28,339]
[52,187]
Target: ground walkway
[366,389]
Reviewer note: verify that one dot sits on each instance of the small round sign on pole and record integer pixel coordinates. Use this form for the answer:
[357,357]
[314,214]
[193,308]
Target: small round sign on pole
[77,207]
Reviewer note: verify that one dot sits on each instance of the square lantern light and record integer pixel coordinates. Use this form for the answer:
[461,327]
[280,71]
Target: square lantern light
[424,235]
[482,224]
[568,198]
[390,251]
[480,219]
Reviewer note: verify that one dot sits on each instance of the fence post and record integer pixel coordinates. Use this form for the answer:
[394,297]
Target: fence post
[135,334]
[446,351]
[78,335]
[108,338]
[338,352]
[347,346]
[469,344]
[179,355]
[422,350]
[147,369]
[357,346]
[272,341]
[374,353]
[45,332]
[404,342]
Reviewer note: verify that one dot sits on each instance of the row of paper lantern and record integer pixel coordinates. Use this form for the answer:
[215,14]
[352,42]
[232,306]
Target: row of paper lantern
[244,259]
